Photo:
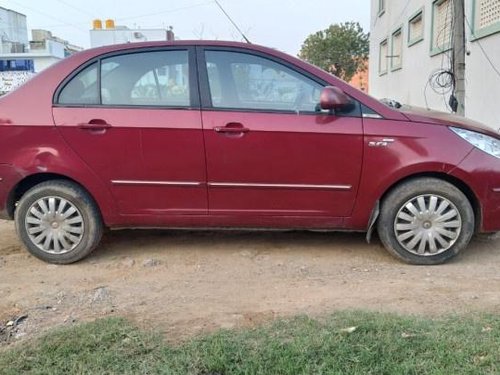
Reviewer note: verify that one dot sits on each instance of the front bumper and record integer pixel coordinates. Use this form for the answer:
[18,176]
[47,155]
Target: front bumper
[481,172]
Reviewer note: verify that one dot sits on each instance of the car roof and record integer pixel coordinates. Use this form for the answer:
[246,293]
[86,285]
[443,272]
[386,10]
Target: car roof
[181,43]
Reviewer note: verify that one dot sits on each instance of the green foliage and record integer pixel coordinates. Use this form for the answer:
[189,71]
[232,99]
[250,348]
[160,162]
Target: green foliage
[380,344]
[342,49]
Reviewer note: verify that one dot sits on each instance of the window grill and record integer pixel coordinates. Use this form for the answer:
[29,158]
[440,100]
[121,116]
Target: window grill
[397,49]
[442,30]
[416,28]
[383,52]
[487,13]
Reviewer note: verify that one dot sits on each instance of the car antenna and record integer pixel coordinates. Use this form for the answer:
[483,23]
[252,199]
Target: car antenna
[231,20]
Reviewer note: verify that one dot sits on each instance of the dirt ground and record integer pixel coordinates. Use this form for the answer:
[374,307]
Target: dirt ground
[184,283]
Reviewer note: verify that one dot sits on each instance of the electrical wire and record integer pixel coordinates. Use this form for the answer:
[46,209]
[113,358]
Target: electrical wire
[497,71]
[80,26]
[173,10]
[400,15]
[165,11]
[398,18]
[442,81]
[83,11]
[49,16]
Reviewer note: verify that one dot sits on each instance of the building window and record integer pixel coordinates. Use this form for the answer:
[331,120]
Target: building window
[381,7]
[442,23]
[397,50]
[382,68]
[416,28]
[16,66]
[486,20]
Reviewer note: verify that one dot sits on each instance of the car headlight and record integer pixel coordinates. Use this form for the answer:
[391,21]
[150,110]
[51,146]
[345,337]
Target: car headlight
[483,142]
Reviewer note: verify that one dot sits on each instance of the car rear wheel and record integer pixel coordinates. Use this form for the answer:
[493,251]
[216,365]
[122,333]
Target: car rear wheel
[58,222]
[425,221]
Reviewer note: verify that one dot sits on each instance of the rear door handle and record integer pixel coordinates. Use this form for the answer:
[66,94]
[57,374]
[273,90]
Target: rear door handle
[95,124]
[232,128]
[221,129]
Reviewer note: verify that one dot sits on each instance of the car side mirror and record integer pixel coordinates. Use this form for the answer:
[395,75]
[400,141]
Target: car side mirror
[332,98]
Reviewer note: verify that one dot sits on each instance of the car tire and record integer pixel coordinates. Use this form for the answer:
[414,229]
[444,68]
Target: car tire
[58,222]
[425,221]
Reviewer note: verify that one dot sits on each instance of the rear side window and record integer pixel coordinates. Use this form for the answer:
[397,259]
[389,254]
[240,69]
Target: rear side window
[154,78]
[149,79]
[82,89]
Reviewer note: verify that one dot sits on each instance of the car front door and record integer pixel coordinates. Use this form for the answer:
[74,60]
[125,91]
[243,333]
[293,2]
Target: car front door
[134,118]
[271,151]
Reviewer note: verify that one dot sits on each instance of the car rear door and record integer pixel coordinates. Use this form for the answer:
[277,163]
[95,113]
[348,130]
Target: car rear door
[270,150]
[134,118]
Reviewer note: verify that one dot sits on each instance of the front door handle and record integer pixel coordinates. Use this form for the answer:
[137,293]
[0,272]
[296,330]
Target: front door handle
[95,124]
[231,128]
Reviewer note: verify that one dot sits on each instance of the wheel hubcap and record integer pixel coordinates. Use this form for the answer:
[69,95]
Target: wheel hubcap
[427,225]
[54,225]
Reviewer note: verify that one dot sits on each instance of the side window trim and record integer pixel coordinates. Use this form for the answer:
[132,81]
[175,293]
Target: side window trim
[99,77]
[203,83]
[194,90]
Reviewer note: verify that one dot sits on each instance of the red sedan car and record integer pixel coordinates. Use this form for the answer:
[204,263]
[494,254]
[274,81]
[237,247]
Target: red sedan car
[219,134]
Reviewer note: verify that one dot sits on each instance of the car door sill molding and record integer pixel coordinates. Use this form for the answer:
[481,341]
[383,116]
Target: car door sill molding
[156,183]
[278,186]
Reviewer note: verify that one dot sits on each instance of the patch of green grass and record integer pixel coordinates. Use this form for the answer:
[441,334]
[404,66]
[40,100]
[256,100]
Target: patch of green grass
[380,344]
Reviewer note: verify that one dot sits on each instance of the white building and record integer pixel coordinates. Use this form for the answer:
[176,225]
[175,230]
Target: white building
[13,31]
[21,58]
[18,67]
[112,34]
[46,49]
[411,40]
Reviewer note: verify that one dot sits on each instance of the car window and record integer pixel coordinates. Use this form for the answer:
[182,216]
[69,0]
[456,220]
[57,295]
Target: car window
[245,81]
[150,78]
[82,89]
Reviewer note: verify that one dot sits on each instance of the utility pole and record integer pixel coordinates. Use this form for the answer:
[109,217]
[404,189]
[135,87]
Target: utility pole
[459,54]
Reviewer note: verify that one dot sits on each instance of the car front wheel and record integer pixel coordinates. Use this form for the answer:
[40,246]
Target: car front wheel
[58,222]
[425,221]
